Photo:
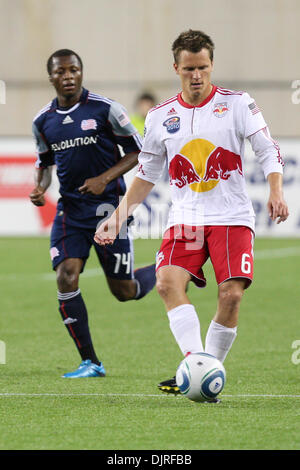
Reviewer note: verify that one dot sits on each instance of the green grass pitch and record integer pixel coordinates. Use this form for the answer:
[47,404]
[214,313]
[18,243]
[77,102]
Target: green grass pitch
[40,410]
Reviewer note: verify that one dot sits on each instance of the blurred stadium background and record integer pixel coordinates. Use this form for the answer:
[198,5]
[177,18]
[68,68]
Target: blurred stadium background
[126,49]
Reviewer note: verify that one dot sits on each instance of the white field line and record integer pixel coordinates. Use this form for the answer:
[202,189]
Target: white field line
[94,272]
[277,253]
[135,395]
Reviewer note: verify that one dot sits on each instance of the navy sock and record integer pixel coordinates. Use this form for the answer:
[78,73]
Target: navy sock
[146,279]
[74,314]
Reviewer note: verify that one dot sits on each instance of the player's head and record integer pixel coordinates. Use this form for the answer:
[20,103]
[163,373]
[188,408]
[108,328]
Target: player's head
[193,62]
[144,102]
[192,41]
[65,72]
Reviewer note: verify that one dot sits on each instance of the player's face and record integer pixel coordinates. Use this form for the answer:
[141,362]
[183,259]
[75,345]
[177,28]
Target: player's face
[66,77]
[194,70]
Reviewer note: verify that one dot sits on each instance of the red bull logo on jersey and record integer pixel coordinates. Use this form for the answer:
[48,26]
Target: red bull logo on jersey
[182,171]
[172,124]
[201,165]
[221,163]
[220,109]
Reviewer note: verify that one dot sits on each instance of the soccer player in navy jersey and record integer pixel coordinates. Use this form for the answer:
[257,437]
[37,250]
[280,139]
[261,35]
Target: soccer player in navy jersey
[80,132]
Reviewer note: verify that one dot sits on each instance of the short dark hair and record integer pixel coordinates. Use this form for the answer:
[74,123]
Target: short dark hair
[146,96]
[192,41]
[62,53]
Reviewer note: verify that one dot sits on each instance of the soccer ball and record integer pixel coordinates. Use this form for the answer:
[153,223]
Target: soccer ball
[200,377]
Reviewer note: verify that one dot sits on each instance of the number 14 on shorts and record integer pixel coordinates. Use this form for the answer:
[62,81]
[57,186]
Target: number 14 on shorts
[123,260]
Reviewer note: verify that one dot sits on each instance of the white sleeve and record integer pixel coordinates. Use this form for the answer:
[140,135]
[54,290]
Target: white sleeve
[150,167]
[152,158]
[152,142]
[250,118]
[267,151]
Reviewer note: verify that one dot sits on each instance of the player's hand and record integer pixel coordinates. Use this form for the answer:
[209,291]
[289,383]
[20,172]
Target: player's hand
[94,186]
[107,232]
[37,197]
[277,208]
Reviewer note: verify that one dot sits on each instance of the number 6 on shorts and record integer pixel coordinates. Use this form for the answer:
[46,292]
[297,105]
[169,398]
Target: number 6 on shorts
[246,263]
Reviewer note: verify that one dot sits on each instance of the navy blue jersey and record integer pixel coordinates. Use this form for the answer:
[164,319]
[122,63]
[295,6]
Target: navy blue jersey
[83,141]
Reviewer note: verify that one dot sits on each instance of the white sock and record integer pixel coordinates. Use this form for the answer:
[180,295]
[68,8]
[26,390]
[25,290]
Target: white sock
[219,340]
[185,326]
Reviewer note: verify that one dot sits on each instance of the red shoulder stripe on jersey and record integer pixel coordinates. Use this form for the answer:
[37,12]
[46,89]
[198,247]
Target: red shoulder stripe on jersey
[164,103]
[225,91]
[229,94]
[229,90]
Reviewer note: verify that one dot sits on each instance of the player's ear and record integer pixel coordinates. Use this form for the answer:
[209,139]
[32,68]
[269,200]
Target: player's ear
[175,66]
[50,79]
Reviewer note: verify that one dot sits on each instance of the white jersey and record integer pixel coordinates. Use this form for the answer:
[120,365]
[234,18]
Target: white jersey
[203,147]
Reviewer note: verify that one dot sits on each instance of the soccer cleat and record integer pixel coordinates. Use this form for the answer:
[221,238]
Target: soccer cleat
[213,400]
[86,369]
[169,386]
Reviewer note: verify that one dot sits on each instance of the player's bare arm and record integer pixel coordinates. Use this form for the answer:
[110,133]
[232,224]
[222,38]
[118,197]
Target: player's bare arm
[277,207]
[98,184]
[108,230]
[43,177]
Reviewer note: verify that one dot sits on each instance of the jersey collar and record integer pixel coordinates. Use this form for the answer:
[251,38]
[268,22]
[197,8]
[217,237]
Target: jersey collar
[83,99]
[186,105]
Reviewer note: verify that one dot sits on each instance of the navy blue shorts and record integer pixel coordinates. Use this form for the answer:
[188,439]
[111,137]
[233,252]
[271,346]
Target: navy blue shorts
[69,241]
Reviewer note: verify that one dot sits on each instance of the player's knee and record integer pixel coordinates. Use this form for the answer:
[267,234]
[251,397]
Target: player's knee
[122,290]
[122,294]
[231,296]
[164,287]
[67,280]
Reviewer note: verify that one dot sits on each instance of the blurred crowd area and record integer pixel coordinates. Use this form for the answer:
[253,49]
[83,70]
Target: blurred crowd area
[125,46]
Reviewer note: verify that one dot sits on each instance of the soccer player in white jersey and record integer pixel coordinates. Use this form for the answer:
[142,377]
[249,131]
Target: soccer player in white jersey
[200,134]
